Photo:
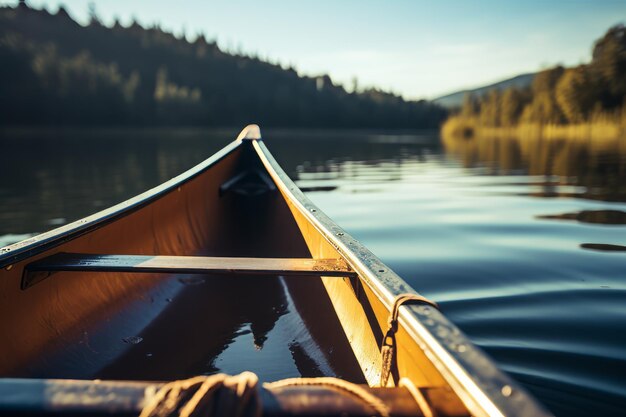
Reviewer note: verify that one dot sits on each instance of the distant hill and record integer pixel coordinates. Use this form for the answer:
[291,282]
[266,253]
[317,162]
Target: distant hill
[57,72]
[455,100]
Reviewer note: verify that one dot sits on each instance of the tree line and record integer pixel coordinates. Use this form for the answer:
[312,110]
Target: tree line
[582,94]
[57,72]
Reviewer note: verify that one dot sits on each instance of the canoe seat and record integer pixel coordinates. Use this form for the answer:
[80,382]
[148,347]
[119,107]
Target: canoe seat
[250,183]
[42,268]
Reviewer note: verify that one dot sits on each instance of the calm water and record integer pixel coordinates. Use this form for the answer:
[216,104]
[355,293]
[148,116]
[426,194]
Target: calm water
[523,245]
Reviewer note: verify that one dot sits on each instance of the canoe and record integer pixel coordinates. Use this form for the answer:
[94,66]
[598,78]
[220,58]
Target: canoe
[162,286]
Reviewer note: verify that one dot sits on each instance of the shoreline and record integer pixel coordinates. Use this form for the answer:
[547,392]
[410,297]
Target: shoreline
[602,129]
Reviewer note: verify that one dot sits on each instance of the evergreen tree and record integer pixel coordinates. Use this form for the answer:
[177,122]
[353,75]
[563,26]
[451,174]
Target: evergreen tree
[56,71]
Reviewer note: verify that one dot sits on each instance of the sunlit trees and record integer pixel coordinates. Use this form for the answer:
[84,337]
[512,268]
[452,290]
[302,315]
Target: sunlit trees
[512,105]
[490,109]
[543,107]
[545,81]
[608,65]
[576,94]
[592,97]
[471,106]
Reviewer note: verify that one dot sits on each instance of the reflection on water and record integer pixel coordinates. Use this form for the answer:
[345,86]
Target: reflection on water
[603,247]
[480,228]
[50,178]
[591,216]
[584,169]
[520,243]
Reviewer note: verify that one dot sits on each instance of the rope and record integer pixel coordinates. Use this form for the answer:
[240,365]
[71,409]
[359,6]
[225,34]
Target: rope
[371,400]
[388,349]
[237,396]
[216,395]
[417,396]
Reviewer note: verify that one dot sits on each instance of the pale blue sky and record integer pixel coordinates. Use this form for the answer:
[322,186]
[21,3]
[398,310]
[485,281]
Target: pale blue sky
[419,48]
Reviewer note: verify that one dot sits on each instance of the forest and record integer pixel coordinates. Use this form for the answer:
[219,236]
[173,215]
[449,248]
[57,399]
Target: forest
[589,98]
[56,72]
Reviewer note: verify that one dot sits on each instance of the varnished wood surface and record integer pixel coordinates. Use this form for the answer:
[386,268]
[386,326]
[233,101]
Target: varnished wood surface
[41,269]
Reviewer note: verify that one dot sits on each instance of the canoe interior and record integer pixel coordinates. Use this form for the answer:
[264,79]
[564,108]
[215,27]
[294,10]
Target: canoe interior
[161,327]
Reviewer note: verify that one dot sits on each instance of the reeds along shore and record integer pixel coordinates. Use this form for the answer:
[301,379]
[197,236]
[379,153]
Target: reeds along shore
[538,148]
[600,128]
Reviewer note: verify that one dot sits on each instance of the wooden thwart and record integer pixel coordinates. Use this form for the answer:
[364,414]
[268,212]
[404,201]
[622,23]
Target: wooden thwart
[42,268]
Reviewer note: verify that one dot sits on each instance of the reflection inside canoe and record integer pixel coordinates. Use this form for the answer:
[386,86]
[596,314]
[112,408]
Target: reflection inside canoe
[206,326]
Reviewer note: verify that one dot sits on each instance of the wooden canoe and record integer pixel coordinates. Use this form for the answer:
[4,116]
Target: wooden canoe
[113,296]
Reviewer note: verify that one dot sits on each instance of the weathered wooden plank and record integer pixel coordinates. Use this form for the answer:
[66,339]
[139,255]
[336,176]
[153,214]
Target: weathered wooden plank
[40,269]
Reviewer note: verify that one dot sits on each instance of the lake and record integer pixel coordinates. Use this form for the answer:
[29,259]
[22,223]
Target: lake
[523,245]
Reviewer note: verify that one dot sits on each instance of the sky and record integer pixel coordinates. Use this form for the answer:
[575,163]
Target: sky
[416,48]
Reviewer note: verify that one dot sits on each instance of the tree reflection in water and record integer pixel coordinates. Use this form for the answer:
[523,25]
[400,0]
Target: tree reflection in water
[570,168]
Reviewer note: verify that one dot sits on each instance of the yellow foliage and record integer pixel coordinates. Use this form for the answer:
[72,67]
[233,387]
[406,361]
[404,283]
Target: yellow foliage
[601,127]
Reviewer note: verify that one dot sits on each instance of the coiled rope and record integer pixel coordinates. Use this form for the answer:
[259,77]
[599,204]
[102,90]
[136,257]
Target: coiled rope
[216,395]
[236,396]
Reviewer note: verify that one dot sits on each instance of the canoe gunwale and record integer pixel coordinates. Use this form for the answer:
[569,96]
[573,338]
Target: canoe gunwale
[42,242]
[483,388]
